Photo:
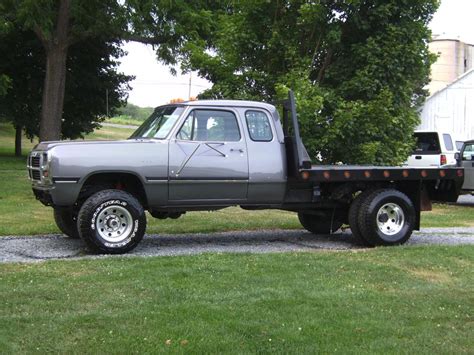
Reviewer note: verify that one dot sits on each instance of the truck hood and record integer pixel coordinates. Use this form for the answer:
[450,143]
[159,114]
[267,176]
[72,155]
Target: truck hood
[79,159]
[44,146]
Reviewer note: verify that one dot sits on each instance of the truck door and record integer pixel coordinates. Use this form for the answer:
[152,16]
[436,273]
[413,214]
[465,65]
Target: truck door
[468,164]
[208,158]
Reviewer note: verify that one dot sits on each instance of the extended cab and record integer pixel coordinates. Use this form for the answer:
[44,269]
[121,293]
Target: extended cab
[208,155]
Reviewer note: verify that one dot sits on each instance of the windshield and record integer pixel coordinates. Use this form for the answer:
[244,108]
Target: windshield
[159,124]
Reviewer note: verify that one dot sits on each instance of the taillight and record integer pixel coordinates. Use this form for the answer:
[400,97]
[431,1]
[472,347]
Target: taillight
[443,160]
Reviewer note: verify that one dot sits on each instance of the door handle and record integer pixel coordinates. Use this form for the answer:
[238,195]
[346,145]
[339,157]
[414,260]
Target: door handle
[418,157]
[237,150]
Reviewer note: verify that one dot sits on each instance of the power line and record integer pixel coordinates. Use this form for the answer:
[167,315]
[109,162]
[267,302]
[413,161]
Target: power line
[139,82]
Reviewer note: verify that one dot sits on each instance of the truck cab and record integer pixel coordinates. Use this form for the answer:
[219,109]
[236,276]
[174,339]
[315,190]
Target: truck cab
[219,152]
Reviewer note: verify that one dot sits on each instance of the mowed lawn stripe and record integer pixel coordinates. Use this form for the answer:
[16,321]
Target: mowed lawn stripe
[385,300]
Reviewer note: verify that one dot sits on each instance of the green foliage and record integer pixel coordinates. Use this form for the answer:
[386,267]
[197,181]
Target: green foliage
[135,112]
[164,23]
[4,27]
[61,26]
[92,69]
[5,83]
[358,69]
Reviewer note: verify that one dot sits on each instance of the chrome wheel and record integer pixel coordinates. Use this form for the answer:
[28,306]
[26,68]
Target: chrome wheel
[114,224]
[390,219]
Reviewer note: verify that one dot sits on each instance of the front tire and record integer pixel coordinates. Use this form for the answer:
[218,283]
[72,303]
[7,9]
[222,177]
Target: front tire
[66,221]
[111,222]
[386,217]
[319,224]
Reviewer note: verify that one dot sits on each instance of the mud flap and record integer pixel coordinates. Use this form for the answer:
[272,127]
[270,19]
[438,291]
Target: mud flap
[425,202]
[444,190]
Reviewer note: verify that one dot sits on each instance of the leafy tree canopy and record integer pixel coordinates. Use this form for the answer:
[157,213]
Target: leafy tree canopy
[4,79]
[61,24]
[92,70]
[358,68]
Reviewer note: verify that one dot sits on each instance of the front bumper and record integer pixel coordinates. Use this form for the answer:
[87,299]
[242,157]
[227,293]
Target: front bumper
[57,194]
[43,196]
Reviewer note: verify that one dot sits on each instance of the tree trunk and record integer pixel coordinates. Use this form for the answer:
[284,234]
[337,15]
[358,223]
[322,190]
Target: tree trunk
[18,134]
[53,94]
[56,46]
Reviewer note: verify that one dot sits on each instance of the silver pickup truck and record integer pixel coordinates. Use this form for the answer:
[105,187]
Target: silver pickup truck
[208,155]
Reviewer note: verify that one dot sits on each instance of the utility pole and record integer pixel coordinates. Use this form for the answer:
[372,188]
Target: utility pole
[107,102]
[189,87]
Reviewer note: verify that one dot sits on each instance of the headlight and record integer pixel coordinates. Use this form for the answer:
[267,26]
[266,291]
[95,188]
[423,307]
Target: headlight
[46,175]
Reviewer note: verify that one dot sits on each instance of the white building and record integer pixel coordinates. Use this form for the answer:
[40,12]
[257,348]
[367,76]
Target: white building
[451,108]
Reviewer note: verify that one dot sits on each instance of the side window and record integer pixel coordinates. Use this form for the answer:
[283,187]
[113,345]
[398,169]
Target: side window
[209,126]
[459,145]
[448,142]
[468,153]
[187,131]
[258,126]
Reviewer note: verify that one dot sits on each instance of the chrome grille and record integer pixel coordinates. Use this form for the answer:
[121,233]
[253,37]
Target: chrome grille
[35,174]
[34,166]
[35,161]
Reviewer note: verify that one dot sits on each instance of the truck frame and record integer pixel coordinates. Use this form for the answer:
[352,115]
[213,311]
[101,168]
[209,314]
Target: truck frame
[208,155]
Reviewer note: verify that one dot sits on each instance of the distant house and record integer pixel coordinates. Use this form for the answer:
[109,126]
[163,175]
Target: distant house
[451,109]
[450,106]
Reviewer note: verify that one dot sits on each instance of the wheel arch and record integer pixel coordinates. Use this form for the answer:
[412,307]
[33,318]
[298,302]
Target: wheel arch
[128,181]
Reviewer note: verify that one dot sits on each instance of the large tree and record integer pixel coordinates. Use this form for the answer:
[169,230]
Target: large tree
[358,68]
[4,27]
[58,24]
[92,73]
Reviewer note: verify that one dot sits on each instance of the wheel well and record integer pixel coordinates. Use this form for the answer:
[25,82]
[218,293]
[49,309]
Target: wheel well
[121,181]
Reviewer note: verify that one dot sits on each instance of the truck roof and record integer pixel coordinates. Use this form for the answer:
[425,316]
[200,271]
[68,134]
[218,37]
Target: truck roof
[230,103]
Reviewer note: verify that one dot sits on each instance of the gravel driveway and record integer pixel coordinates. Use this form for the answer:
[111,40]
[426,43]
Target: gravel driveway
[39,248]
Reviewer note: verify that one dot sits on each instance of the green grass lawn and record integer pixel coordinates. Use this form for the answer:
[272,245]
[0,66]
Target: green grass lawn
[386,300]
[23,215]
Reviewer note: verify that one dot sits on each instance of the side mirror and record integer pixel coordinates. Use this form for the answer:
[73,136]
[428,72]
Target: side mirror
[458,158]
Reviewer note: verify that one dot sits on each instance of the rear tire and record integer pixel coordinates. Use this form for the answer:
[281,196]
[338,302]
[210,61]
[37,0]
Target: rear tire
[111,222]
[386,217]
[66,222]
[319,224]
[354,217]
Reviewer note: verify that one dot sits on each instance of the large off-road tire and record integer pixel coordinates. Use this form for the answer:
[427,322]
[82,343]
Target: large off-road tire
[111,222]
[386,217]
[319,224]
[354,217]
[66,222]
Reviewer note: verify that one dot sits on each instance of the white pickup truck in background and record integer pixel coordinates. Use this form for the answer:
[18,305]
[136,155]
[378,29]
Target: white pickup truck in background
[434,149]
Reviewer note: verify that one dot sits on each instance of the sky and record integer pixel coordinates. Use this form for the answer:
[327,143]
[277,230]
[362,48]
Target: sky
[154,85]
